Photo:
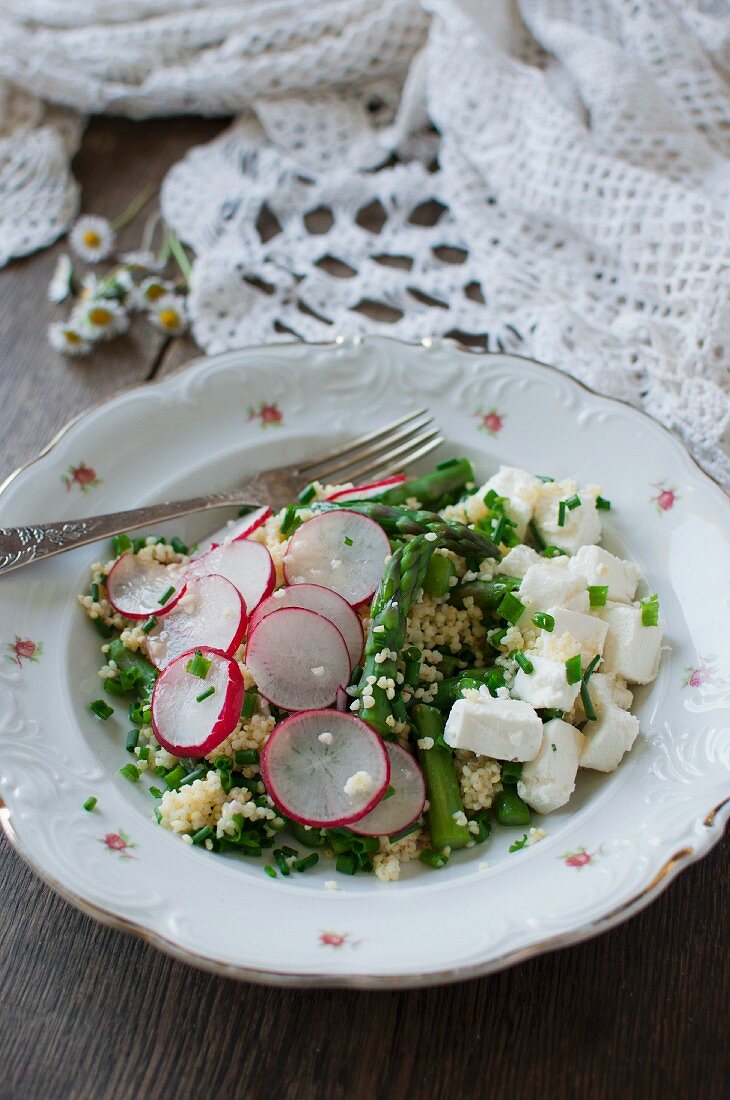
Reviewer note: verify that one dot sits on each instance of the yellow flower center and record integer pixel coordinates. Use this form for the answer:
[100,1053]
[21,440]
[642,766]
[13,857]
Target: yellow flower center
[169,318]
[72,337]
[92,238]
[99,316]
[152,293]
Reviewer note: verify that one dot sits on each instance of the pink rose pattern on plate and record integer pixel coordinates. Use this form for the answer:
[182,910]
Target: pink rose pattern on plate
[23,649]
[491,421]
[268,415]
[119,842]
[666,497]
[580,858]
[337,940]
[82,475]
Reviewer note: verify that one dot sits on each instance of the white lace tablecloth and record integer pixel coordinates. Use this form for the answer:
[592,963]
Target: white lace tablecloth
[578,151]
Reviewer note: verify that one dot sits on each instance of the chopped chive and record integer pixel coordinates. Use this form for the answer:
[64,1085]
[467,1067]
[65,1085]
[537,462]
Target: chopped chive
[203,834]
[509,808]
[587,702]
[346,863]
[539,540]
[280,860]
[138,544]
[307,494]
[517,845]
[433,859]
[510,608]
[205,694]
[306,862]
[550,712]
[553,552]
[175,776]
[101,709]
[155,792]
[178,545]
[348,541]
[130,772]
[574,669]
[166,595]
[524,662]
[511,772]
[496,637]
[120,543]
[132,740]
[129,678]
[289,851]
[573,502]
[290,521]
[597,594]
[545,479]
[650,611]
[114,686]
[90,804]
[196,773]
[388,794]
[592,664]
[247,757]
[149,624]
[602,504]
[412,654]
[394,837]
[561,513]
[198,665]
[249,703]
[269,870]
[544,621]
[95,592]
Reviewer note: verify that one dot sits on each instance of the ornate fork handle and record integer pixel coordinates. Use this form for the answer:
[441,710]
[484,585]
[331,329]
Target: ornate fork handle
[22,545]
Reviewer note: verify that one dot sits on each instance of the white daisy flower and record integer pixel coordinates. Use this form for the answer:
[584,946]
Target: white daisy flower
[61,282]
[150,291]
[92,238]
[64,337]
[170,315]
[143,259]
[100,319]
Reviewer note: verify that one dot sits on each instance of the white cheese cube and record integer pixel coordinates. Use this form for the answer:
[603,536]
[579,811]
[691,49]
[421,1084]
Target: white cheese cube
[546,686]
[605,691]
[501,728]
[521,489]
[608,738]
[631,649]
[600,567]
[548,781]
[582,524]
[551,583]
[518,560]
[588,631]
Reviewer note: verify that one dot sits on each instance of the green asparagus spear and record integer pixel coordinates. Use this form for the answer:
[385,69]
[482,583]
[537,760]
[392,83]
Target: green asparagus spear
[442,786]
[126,660]
[450,534]
[441,486]
[487,595]
[438,575]
[402,580]
[448,691]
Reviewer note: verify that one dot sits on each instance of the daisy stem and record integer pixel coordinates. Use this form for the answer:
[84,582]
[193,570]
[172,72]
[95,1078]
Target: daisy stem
[163,254]
[134,207]
[180,256]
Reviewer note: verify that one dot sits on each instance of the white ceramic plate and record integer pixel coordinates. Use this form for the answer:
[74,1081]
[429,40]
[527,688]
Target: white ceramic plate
[620,840]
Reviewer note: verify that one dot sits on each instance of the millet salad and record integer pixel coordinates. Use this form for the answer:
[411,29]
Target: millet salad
[375,674]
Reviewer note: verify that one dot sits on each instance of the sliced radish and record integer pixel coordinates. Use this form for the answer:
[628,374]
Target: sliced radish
[342,701]
[325,602]
[246,564]
[211,613]
[240,529]
[405,805]
[341,550]
[310,759]
[367,492]
[186,724]
[298,659]
[135,587]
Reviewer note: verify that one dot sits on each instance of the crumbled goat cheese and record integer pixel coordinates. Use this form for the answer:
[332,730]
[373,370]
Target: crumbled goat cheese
[325,737]
[359,783]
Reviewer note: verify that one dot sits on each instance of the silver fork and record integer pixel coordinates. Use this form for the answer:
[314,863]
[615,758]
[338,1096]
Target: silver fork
[375,455]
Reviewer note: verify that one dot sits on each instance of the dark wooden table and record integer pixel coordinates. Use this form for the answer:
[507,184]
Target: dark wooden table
[90,1012]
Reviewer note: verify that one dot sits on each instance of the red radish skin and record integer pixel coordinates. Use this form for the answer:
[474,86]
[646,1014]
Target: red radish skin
[186,727]
[314,597]
[134,587]
[213,613]
[298,659]
[240,529]
[406,803]
[368,492]
[248,565]
[341,700]
[306,775]
[341,550]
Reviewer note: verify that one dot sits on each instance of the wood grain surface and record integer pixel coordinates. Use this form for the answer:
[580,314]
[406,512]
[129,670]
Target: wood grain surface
[88,1012]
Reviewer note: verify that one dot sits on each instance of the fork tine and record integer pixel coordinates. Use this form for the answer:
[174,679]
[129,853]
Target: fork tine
[379,450]
[361,441]
[394,460]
